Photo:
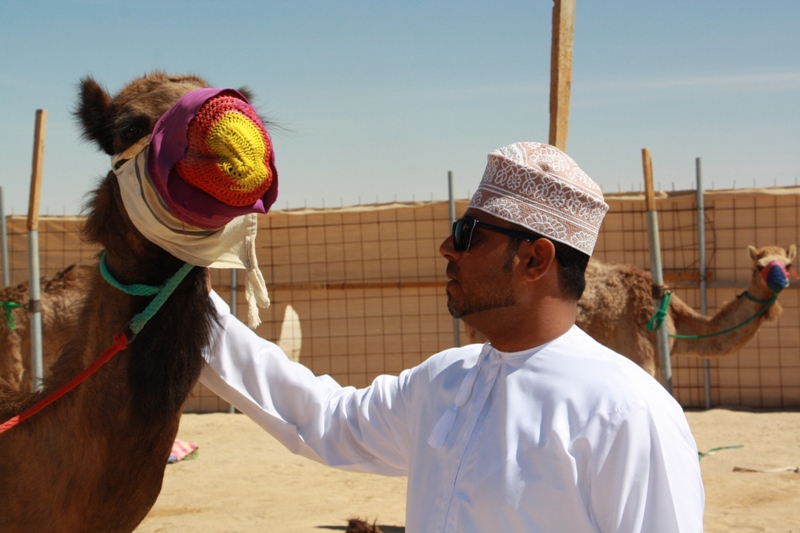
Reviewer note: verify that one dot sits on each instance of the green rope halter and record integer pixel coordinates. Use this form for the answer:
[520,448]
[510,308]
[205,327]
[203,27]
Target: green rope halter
[134,289]
[8,308]
[659,316]
[162,292]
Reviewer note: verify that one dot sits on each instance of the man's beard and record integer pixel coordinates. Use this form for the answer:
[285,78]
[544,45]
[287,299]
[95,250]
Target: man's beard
[475,304]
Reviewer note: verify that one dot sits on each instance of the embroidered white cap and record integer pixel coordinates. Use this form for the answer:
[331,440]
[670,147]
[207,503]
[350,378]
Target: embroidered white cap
[539,187]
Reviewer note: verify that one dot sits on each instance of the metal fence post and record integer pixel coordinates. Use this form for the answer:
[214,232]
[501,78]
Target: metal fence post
[452,201]
[701,245]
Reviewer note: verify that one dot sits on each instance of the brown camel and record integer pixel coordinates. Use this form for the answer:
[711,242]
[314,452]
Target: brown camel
[94,460]
[618,304]
[61,300]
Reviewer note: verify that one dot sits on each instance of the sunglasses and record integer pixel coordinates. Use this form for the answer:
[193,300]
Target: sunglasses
[463,228]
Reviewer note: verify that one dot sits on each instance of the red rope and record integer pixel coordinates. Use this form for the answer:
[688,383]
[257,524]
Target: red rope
[120,343]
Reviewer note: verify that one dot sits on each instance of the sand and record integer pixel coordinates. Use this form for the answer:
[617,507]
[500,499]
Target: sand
[244,481]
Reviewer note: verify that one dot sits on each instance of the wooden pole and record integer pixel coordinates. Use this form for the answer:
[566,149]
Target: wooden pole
[35,305]
[36,175]
[561,71]
[655,269]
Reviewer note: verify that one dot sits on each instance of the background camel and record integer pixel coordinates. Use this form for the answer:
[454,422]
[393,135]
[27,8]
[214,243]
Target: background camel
[61,299]
[618,304]
[95,459]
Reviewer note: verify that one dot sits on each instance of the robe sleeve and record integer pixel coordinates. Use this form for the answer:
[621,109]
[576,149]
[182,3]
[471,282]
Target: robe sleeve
[642,482]
[361,430]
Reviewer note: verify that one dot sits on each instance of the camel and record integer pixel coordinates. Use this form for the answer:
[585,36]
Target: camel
[60,297]
[94,460]
[617,305]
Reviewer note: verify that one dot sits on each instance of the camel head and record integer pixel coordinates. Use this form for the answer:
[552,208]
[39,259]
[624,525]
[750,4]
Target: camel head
[114,124]
[772,265]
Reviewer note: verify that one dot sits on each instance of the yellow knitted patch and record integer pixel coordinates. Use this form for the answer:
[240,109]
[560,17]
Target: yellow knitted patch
[240,150]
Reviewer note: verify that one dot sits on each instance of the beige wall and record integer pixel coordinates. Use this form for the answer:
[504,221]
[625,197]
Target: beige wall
[368,284]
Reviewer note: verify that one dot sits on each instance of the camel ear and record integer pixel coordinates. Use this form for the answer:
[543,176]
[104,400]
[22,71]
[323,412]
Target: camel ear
[792,252]
[247,93]
[753,252]
[93,113]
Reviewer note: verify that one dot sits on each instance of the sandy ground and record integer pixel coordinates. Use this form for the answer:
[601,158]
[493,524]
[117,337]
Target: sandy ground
[244,481]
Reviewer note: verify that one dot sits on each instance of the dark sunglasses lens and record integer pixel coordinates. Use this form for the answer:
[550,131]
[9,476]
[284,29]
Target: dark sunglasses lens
[462,231]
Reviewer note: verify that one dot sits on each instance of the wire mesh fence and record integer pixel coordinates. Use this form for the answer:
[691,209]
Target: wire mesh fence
[367,284]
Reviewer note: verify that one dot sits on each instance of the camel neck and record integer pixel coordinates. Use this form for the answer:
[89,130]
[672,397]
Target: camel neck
[135,289]
[161,292]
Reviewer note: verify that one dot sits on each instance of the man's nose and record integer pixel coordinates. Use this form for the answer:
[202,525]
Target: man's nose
[447,250]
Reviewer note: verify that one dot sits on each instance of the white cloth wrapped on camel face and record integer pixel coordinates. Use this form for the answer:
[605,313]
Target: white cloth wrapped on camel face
[231,246]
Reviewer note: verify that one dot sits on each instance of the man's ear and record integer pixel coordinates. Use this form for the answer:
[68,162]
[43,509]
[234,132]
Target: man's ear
[539,257]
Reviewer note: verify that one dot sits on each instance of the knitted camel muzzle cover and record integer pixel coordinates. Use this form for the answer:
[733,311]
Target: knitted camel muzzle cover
[228,154]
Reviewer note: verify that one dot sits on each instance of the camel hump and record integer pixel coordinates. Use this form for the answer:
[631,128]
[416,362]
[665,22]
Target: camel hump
[74,277]
[615,292]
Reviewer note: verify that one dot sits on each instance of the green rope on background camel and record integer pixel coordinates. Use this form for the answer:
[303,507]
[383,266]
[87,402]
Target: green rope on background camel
[700,455]
[661,313]
[658,318]
[8,308]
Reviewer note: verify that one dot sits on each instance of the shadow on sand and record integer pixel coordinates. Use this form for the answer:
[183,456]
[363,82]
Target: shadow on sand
[382,527]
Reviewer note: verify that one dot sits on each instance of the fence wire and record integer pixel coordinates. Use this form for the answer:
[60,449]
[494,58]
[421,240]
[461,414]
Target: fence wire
[367,284]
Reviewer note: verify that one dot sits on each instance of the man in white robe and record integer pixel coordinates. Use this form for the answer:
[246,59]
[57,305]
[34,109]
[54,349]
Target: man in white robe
[540,430]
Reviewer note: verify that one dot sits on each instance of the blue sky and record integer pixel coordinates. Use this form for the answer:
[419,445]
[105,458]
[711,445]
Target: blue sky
[378,100]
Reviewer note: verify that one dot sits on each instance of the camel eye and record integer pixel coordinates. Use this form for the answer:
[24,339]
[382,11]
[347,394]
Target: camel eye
[131,133]
[131,129]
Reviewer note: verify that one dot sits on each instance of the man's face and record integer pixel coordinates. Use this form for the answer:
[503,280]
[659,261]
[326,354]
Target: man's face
[481,277]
